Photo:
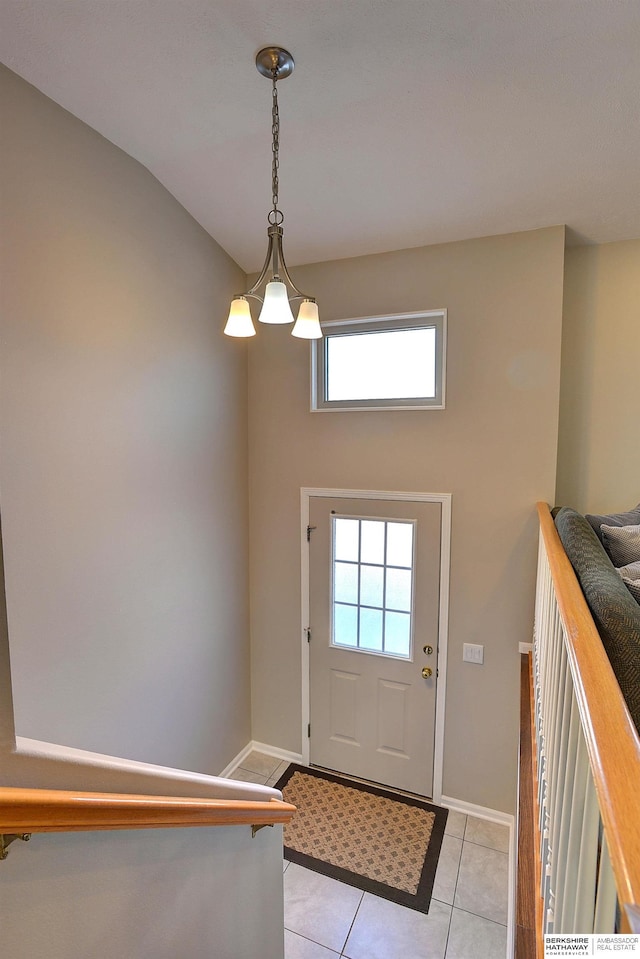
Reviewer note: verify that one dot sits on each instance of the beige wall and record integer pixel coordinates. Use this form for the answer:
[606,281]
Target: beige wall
[124,467]
[599,441]
[7,727]
[494,448]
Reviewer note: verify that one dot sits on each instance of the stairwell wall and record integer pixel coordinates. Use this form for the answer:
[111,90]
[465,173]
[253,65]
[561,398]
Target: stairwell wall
[123,480]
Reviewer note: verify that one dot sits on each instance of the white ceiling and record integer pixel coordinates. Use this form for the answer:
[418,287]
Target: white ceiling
[406,122]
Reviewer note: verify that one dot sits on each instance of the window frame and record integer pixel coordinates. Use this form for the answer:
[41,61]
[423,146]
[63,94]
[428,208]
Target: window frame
[425,319]
[410,658]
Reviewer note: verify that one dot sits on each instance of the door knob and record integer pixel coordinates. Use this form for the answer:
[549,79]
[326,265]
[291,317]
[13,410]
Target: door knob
[426,672]
[427,649]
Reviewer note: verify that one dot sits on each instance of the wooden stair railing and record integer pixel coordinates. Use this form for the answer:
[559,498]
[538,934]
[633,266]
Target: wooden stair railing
[612,742]
[25,811]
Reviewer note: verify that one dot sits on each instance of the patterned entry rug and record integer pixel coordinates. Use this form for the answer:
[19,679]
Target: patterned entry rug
[361,834]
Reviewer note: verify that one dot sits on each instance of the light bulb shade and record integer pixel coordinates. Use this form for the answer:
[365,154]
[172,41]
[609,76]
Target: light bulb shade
[308,323]
[239,322]
[276,308]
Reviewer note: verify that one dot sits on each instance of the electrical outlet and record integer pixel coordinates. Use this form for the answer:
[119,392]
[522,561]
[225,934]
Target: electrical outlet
[473,654]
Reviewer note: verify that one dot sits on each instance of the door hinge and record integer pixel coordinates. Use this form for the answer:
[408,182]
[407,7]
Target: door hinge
[308,634]
[309,529]
[309,731]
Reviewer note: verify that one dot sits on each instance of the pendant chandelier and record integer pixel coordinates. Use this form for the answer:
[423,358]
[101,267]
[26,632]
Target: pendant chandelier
[280,290]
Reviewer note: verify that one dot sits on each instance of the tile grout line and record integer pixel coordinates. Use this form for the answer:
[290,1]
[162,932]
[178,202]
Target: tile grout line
[446,944]
[344,945]
[455,889]
[482,846]
[468,912]
[306,939]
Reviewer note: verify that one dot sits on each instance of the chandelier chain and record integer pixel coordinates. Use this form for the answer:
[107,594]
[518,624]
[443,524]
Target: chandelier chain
[278,289]
[275,147]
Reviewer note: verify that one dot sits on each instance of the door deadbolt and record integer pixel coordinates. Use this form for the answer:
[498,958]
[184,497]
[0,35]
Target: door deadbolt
[426,672]
[427,649]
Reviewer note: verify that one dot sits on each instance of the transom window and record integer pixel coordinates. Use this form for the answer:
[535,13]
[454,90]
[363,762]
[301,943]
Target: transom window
[372,585]
[384,362]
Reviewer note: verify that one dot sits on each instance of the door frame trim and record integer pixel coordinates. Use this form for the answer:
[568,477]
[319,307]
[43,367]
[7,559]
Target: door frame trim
[306,494]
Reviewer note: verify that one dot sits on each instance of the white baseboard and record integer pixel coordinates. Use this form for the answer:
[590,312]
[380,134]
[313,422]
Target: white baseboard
[480,812]
[233,765]
[274,751]
[525,647]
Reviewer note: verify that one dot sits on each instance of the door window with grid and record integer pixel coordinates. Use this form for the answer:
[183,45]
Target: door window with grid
[372,585]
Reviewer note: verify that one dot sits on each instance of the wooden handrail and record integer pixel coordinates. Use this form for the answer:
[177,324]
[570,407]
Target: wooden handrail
[54,810]
[611,738]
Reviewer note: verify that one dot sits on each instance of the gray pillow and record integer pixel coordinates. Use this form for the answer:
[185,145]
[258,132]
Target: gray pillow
[622,543]
[631,578]
[630,518]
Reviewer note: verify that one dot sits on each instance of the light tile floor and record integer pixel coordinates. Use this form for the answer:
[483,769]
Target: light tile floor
[467,918]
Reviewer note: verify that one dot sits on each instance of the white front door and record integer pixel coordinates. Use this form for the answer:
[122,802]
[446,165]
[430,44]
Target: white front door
[374,571]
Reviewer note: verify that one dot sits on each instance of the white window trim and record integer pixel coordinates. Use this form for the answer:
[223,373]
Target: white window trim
[386,322]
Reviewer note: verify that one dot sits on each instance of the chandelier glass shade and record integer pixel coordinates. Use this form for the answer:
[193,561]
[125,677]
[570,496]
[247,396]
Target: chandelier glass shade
[239,322]
[279,289]
[275,305]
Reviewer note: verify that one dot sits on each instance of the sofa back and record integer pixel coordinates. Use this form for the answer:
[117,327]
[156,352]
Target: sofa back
[615,612]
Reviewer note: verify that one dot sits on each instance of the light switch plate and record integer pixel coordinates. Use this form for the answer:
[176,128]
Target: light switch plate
[473,654]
